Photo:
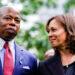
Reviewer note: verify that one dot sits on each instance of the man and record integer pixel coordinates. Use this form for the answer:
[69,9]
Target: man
[49,53]
[14,60]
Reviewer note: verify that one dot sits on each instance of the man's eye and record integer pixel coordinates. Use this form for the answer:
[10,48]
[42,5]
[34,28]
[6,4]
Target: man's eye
[7,18]
[17,20]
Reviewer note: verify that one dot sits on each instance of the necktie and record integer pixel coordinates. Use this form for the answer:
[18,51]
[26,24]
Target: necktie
[8,61]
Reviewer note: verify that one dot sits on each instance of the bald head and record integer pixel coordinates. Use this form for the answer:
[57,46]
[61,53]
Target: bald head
[7,9]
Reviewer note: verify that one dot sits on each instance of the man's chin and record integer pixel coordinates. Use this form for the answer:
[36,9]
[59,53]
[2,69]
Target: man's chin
[9,38]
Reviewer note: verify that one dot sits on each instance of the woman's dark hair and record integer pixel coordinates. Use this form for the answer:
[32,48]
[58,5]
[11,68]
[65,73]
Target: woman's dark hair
[68,22]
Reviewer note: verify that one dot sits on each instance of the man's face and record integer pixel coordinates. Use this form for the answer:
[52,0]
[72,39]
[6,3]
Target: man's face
[9,23]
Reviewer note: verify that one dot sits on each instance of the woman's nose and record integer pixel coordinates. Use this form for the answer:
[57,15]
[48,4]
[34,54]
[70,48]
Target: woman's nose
[50,33]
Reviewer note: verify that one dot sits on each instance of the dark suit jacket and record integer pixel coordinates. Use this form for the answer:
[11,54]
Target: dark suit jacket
[51,66]
[25,63]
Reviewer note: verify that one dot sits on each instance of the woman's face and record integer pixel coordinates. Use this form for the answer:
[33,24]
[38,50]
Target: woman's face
[56,33]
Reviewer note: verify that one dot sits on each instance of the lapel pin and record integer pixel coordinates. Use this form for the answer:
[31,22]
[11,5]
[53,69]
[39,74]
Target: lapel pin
[21,59]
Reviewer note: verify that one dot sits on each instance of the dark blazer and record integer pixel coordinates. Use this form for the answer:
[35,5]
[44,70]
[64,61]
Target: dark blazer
[1,72]
[25,62]
[51,66]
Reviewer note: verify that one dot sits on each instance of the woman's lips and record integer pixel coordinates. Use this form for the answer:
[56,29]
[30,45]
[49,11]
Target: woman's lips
[52,40]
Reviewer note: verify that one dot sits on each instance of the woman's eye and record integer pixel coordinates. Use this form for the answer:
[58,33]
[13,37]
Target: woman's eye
[53,29]
[48,31]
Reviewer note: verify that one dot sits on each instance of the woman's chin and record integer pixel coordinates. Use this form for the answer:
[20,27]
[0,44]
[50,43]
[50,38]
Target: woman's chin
[55,46]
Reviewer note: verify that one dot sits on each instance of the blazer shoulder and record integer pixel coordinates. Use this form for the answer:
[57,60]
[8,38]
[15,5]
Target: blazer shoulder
[50,60]
[43,65]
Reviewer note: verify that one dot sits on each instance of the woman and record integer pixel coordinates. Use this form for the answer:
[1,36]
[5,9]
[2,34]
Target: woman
[61,32]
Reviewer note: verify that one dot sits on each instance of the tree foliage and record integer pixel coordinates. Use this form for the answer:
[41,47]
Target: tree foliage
[39,41]
[32,6]
[69,4]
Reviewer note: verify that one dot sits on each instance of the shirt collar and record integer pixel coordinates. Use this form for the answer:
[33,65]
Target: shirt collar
[2,42]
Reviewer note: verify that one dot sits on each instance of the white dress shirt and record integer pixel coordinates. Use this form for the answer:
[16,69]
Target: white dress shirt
[2,50]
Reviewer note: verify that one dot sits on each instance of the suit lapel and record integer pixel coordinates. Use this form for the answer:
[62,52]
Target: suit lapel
[55,65]
[74,68]
[1,72]
[18,59]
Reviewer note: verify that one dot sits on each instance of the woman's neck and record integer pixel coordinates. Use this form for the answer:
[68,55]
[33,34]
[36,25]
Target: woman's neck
[66,57]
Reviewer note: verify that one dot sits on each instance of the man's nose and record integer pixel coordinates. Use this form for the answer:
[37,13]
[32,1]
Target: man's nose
[12,22]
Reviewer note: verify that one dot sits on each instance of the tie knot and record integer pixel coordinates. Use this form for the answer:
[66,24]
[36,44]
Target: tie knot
[6,45]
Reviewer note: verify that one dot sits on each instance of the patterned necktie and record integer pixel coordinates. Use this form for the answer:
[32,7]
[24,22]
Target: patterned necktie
[8,61]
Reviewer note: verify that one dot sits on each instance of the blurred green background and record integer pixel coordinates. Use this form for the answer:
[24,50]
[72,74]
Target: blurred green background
[37,44]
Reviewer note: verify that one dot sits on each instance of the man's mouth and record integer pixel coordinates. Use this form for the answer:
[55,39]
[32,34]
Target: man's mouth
[11,30]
